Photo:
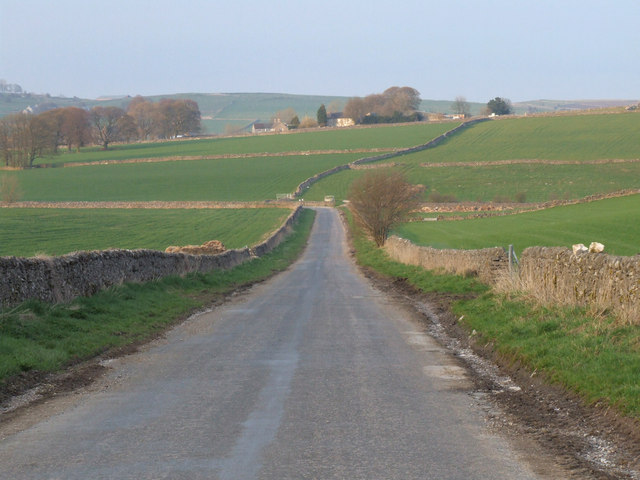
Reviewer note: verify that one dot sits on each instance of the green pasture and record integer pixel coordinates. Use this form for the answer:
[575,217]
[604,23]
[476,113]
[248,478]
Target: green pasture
[504,183]
[30,231]
[614,222]
[577,137]
[238,179]
[387,136]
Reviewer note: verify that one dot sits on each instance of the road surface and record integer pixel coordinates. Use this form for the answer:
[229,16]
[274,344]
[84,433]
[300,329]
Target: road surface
[311,375]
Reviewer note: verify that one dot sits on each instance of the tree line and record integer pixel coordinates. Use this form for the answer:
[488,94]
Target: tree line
[395,104]
[25,137]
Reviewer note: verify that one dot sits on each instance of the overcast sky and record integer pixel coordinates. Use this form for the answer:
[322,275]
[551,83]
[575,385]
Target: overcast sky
[479,49]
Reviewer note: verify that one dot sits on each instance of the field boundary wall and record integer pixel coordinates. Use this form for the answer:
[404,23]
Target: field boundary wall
[487,264]
[553,275]
[63,278]
[405,151]
[599,280]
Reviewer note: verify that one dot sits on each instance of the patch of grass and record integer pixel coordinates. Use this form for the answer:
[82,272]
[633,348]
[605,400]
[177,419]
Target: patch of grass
[27,231]
[614,222]
[43,337]
[594,357]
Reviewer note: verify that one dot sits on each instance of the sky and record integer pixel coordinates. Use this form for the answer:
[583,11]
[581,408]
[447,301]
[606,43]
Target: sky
[478,49]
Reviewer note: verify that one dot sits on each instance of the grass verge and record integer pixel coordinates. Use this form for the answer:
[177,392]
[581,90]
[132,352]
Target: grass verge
[592,356]
[39,337]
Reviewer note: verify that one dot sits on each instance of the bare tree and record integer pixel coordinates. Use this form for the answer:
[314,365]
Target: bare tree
[381,199]
[460,106]
[308,122]
[178,117]
[76,127]
[105,124]
[23,138]
[356,109]
[9,189]
[285,116]
[145,115]
[398,101]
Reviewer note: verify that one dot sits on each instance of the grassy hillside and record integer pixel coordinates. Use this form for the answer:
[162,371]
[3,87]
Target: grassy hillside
[538,183]
[613,222]
[580,138]
[27,232]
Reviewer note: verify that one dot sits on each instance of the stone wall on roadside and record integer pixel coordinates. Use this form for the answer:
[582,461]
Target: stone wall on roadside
[60,279]
[486,263]
[553,275]
[598,279]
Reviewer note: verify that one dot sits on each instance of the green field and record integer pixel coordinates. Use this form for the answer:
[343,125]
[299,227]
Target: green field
[571,138]
[579,137]
[240,179]
[502,183]
[27,232]
[614,222]
[389,136]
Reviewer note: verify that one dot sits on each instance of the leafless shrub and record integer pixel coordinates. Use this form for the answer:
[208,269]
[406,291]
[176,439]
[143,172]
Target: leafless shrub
[381,199]
[308,122]
[10,189]
[521,197]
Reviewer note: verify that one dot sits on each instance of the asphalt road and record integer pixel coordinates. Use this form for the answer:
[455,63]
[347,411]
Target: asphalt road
[312,375]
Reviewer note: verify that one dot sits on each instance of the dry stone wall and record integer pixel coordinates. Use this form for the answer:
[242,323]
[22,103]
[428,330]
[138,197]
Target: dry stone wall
[553,275]
[60,279]
[597,279]
[486,264]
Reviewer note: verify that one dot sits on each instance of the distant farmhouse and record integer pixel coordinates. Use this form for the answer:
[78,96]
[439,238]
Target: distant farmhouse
[339,120]
[277,126]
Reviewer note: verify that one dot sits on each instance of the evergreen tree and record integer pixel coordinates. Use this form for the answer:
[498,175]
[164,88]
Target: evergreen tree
[322,116]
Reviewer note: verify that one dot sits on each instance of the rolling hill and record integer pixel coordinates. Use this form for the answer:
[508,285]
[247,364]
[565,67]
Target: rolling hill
[241,109]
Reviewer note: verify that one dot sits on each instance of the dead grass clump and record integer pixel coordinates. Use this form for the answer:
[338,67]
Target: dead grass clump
[212,247]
